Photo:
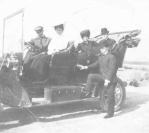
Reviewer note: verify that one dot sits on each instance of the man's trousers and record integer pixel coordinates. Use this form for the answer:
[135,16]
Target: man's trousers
[110,90]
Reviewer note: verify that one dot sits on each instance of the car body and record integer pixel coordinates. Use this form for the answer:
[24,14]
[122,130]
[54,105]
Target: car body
[66,81]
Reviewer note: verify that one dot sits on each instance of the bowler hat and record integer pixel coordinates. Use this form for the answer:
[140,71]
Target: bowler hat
[104,31]
[39,28]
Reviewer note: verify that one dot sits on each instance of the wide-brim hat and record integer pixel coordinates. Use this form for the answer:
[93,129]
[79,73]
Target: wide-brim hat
[104,31]
[61,26]
[85,33]
[38,28]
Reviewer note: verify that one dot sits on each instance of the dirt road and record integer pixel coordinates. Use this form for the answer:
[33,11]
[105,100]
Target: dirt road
[79,117]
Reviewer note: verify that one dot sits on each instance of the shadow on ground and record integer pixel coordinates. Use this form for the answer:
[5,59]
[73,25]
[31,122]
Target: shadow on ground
[133,102]
[16,117]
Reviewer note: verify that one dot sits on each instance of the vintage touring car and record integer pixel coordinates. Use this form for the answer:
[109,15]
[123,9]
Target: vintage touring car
[65,80]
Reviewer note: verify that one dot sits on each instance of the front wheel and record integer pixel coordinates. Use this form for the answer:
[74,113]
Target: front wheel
[120,95]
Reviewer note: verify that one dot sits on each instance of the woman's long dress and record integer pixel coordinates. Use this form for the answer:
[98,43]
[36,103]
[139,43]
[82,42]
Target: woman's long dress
[36,63]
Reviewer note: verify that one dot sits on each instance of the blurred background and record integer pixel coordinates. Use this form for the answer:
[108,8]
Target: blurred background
[116,15]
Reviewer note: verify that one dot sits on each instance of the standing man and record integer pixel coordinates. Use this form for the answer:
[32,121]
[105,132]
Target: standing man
[105,37]
[106,76]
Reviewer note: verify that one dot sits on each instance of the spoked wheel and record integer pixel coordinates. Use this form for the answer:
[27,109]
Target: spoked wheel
[120,95]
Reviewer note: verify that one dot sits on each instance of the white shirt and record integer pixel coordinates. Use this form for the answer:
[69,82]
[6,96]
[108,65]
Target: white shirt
[57,43]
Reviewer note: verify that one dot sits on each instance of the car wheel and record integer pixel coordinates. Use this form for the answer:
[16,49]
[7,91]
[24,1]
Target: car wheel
[120,95]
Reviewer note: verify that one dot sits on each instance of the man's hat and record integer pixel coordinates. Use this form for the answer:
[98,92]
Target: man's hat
[104,31]
[85,33]
[39,28]
[105,44]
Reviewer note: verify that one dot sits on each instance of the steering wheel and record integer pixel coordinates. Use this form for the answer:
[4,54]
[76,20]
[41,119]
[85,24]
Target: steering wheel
[28,46]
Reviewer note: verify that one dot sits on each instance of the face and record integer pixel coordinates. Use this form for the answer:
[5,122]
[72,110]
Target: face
[103,50]
[40,33]
[59,31]
[105,36]
[85,38]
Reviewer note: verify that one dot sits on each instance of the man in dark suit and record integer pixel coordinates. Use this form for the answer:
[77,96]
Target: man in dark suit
[106,76]
[105,37]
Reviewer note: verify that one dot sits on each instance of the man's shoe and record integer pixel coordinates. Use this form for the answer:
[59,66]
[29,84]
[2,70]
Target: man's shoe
[108,116]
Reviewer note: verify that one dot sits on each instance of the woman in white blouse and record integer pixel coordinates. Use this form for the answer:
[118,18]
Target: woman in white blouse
[59,41]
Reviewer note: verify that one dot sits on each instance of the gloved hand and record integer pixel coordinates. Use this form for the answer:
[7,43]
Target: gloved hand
[106,82]
[82,67]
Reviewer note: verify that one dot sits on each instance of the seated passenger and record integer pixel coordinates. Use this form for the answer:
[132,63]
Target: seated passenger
[40,44]
[106,39]
[59,42]
[87,48]
[35,61]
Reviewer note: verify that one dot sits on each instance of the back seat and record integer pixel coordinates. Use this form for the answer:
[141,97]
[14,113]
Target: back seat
[62,68]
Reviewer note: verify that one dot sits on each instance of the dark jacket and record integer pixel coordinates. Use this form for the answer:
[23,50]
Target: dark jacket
[107,67]
[87,48]
[41,44]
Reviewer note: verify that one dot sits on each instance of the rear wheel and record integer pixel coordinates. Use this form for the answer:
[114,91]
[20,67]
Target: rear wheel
[120,95]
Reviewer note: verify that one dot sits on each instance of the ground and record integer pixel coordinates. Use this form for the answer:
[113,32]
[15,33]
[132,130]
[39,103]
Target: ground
[82,117]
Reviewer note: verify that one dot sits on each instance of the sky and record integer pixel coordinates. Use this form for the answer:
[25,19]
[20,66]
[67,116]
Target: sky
[116,15]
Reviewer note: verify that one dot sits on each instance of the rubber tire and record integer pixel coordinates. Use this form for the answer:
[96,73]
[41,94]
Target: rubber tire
[102,91]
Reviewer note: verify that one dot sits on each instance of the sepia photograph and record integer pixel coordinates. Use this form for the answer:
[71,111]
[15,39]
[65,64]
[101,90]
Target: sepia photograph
[74,66]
